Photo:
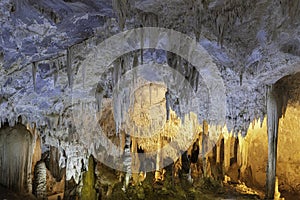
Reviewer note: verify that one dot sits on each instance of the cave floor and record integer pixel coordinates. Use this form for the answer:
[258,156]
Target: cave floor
[184,190]
[203,189]
[6,194]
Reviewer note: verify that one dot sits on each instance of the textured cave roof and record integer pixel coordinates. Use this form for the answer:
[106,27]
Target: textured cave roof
[259,46]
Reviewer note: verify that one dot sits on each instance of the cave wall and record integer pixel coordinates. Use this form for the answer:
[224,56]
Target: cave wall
[256,151]
[16,149]
[288,164]
[254,147]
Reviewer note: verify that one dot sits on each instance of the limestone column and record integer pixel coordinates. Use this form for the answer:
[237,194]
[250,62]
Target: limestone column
[273,119]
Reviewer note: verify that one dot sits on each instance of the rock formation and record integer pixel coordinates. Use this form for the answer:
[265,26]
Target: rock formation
[124,78]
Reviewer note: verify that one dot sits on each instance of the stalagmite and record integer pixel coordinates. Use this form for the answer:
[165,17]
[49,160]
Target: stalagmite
[39,186]
[273,114]
[127,162]
[158,173]
[88,191]
[277,193]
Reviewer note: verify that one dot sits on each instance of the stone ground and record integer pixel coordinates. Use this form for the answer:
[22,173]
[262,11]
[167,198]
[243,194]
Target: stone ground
[6,194]
[186,191]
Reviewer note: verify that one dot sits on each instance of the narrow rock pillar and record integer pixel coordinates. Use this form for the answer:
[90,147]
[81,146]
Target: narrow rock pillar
[273,111]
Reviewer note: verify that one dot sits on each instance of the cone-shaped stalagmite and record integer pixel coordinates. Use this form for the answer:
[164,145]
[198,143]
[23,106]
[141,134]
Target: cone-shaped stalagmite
[88,191]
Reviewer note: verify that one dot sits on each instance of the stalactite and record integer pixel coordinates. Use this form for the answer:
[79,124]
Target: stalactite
[167,96]
[69,66]
[83,75]
[197,16]
[135,62]
[16,149]
[34,68]
[99,96]
[53,166]
[55,72]
[118,98]
[194,78]
[220,23]
[121,9]
[142,47]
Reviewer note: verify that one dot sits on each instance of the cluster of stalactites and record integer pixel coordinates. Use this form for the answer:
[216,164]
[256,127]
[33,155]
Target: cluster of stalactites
[122,97]
[224,14]
[121,8]
[290,8]
[69,60]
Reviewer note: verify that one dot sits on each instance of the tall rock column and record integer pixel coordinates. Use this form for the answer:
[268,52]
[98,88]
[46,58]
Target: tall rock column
[273,113]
